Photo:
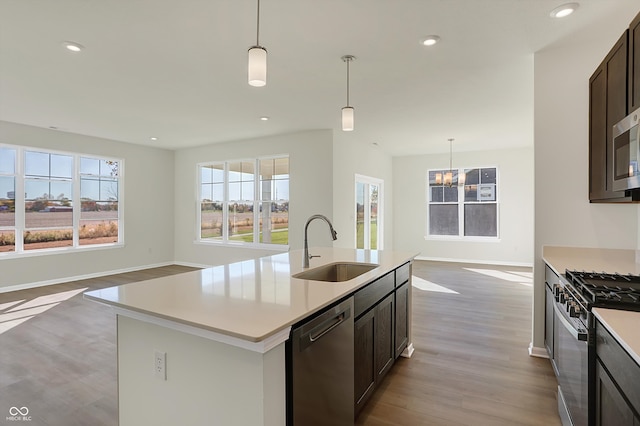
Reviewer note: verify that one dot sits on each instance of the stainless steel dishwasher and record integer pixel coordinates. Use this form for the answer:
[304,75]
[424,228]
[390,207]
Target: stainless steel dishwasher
[320,383]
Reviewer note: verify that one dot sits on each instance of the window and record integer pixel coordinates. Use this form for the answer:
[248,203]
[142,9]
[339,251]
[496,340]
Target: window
[468,207]
[245,202]
[51,200]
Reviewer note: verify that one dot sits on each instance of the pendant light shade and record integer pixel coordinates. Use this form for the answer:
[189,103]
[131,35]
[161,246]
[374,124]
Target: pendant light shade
[348,111]
[347,119]
[257,69]
[257,66]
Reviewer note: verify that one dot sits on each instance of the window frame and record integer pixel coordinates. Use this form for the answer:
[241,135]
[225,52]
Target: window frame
[20,224]
[461,203]
[224,240]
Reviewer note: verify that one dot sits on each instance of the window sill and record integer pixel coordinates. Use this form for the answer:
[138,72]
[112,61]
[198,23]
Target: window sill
[251,246]
[458,238]
[61,250]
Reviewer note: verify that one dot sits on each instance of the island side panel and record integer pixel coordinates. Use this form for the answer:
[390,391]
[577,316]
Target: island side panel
[207,382]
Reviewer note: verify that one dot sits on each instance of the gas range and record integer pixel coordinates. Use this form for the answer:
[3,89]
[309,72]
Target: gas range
[606,290]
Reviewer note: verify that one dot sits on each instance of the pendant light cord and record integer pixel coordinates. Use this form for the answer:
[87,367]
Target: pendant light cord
[348,60]
[258,25]
[450,156]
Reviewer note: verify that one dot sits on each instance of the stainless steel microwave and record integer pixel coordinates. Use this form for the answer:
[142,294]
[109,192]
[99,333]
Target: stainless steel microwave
[626,153]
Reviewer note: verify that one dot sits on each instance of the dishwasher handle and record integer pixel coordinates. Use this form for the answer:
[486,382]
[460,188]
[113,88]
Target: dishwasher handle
[311,332]
[338,320]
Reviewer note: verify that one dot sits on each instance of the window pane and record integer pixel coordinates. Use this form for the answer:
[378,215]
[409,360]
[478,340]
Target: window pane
[480,220]
[274,223]
[109,168]
[7,213]
[206,174]
[97,231]
[7,188]
[267,169]
[218,192]
[36,189]
[488,175]
[211,220]
[472,176]
[61,190]
[36,163]
[99,211]
[241,222]
[61,166]
[206,192]
[373,225]
[50,238]
[7,161]
[443,219]
[89,189]
[108,189]
[470,193]
[235,189]
[248,191]
[7,241]
[360,215]
[89,166]
[281,168]
[281,190]
[437,194]
[450,194]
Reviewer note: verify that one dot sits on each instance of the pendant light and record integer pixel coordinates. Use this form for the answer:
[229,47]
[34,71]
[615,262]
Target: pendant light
[448,176]
[257,58]
[347,111]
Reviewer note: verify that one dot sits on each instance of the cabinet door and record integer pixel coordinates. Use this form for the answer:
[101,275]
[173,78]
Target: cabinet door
[383,339]
[364,366]
[607,106]
[634,64]
[402,318]
[611,407]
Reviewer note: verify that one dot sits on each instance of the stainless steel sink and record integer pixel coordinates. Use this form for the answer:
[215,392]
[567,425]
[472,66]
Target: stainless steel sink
[336,272]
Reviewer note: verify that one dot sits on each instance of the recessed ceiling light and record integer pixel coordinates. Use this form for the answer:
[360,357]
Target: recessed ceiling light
[153,138]
[430,40]
[264,118]
[564,10]
[73,46]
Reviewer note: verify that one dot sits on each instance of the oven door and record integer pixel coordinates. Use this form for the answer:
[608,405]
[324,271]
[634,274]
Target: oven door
[571,356]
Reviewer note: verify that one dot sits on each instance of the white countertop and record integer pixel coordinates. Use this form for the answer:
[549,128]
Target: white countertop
[624,326]
[250,300]
[591,259]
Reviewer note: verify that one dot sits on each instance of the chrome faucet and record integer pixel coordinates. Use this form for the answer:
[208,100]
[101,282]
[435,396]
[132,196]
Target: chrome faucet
[334,235]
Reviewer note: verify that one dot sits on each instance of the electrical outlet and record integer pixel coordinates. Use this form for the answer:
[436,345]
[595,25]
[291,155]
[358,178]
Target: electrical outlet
[160,365]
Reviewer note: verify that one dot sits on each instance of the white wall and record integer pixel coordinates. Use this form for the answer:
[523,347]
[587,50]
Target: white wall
[353,156]
[148,216]
[311,185]
[515,186]
[563,214]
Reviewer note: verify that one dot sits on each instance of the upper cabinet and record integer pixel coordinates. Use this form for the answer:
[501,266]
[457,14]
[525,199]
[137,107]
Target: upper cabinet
[614,90]
[634,64]
[607,106]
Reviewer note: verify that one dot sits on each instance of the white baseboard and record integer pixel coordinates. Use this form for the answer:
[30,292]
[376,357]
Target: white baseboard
[193,265]
[481,262]
[408,351]
[81,277]
[537,352]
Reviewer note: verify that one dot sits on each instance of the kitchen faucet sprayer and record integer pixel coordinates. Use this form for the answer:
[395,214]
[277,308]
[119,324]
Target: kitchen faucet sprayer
[334,235]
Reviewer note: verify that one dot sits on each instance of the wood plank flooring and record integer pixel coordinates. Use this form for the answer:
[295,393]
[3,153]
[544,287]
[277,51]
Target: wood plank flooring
[470,367]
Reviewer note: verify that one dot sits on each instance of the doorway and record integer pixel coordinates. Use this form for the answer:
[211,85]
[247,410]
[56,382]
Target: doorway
[369,202]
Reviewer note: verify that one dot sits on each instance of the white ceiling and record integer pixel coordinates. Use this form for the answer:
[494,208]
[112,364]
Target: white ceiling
[176,69]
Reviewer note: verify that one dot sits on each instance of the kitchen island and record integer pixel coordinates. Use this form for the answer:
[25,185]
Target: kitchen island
[208,346]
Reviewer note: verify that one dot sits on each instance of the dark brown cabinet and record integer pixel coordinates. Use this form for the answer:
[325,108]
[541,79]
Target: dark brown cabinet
[607,105]
[617,383]
[402,318]
[611,407]
[634,64]
[381,330]
[364,359]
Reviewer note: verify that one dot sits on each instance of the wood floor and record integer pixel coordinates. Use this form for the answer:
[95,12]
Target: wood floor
[470,366]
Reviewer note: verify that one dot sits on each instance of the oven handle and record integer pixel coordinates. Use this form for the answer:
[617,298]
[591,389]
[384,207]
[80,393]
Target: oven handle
[578,334]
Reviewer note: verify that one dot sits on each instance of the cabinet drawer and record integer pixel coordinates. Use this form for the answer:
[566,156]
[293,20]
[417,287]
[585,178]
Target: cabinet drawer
[550,277]
[372,293]
[623,369]
[402,274]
